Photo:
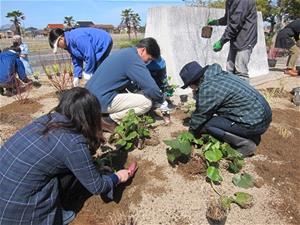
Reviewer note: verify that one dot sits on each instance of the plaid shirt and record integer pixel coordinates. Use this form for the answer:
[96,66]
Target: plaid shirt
[227,95]
[30,163]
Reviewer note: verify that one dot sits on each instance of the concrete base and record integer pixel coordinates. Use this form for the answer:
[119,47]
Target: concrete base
[178,32]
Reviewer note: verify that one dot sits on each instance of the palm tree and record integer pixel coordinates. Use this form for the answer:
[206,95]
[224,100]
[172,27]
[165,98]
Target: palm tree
[126,20]
[17,17]
[135,22]
[69,21]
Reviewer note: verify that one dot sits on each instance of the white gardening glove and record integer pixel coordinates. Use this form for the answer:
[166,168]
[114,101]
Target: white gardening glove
[164,107]
[75,81]
[86,76]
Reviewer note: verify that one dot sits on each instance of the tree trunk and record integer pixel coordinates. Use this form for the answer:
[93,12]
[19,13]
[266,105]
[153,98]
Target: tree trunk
[128,32]
[18,29]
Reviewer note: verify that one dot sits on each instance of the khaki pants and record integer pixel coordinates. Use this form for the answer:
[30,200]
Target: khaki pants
[122,103]
[294,52]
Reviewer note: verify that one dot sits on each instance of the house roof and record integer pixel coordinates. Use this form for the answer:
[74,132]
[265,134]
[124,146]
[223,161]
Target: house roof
[55,25]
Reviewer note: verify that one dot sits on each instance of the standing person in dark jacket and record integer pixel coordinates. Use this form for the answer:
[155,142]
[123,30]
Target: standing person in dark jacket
[227,107]
[288,38]
[241,21]
[50,161]
[86,45]
[11,65]
[117,73]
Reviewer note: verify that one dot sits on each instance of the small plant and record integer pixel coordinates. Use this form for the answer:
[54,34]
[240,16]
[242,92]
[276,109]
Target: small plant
[217,211]
[59,74]
[181,147]
[190,107]
[22,91]
[209,148]
[169,88]
[36,75]
[132,131]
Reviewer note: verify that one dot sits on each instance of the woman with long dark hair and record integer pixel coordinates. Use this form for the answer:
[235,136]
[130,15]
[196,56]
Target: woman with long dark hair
[42,162]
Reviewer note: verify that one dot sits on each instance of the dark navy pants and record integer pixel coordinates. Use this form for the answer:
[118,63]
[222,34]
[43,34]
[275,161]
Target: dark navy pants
[227,125]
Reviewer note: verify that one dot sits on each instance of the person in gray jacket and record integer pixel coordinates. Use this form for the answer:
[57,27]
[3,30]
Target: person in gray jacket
[241,31]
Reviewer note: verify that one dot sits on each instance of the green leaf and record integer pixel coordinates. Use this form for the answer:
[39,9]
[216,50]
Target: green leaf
[244,180]
[244,200]
[207,146]
[184,147]
[128,146]
[229,152]
[216,146]
[213,155]
[186,136]
[236,165]
[198,141]
[121,142]
[212,139]
[131,136]
[148,119]
[119,129]
[146,133]
[172,155]
[213,174]
[226,201]
[172,143]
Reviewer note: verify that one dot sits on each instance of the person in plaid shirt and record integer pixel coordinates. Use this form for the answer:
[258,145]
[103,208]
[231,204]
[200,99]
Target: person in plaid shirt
[227,107]
[36,161]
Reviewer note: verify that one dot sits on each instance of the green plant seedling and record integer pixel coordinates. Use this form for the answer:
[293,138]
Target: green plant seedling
[131,131]
[244,180]
[213,174]
[244,200]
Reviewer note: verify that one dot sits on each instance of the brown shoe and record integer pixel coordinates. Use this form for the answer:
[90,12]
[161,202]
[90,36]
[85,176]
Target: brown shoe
[108,125]
[291,72]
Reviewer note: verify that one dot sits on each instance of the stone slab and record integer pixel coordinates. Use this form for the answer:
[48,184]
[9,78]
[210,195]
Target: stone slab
[178,32]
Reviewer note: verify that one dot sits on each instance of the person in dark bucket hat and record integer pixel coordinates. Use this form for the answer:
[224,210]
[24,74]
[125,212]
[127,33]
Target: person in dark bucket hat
[227,107]
[190,73]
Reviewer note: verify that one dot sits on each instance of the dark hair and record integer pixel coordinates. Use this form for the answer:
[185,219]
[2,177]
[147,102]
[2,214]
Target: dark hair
[83,110]
[151,46]
[54,34]
[17,49]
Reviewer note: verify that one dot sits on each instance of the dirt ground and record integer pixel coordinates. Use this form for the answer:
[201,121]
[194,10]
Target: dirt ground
[161,194]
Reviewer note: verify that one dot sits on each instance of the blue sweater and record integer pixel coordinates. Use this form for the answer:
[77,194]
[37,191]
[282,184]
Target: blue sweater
[116,73]
[86,45]
[10,64]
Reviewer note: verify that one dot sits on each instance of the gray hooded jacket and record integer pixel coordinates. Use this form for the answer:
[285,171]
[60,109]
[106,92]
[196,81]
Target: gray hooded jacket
[241,20]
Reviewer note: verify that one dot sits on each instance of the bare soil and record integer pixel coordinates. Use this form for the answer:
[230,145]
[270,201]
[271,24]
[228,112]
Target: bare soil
[162,194]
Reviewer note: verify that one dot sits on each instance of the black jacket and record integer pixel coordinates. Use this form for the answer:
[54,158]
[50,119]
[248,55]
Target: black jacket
[241,20]
[285,36]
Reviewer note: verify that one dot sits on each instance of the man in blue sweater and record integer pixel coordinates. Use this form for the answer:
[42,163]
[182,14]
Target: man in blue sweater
[86,45]
[117,72]
[11,65]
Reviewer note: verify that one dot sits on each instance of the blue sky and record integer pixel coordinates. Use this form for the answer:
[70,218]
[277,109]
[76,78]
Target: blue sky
[41,12]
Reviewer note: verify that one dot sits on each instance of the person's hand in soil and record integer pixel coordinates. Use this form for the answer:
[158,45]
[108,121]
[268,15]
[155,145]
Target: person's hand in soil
[123,175]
